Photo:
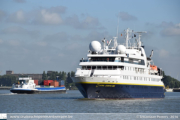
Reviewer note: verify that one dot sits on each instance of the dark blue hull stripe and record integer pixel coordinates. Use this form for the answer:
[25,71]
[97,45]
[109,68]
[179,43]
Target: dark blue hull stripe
[40,90]
[120,91]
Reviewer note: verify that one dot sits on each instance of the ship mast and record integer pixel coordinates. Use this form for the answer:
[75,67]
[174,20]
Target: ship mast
[128,31]
[139,39]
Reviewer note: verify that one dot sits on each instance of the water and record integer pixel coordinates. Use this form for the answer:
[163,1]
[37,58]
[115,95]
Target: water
[73,102]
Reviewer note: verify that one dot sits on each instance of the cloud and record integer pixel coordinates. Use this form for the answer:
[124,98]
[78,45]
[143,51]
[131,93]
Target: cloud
[2,15]
[57,9]
[166,24]
[53,16]
[41,43]
[163,53]
[49,16]
[88,22]
[170,29]
[124,16]
[57,37]
[21,31]
[46,17]
[1,41]
[19,1]
[178,25]
[14,42]
[18,17]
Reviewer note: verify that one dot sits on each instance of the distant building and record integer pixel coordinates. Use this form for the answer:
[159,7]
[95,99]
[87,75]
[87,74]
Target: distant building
[9,72]
[50,72]
[34,76]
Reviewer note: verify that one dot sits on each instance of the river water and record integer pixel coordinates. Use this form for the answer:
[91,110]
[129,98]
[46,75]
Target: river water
[73,102]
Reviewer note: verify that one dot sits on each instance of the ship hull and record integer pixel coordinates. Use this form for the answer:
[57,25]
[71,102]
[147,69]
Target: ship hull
[113,88]
[112,91]
[42,90]
[23,91]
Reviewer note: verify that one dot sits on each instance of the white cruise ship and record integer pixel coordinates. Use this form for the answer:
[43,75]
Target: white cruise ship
[120,71]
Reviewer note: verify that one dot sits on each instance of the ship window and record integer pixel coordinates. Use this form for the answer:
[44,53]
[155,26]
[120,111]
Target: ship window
[114,67]
[88,67]
[134,78]
[93,67]
[103,58]
[104,67]
[83,67]
[99,67]
[109,67]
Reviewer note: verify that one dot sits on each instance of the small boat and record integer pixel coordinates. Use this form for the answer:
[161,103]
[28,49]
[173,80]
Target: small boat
[27,85]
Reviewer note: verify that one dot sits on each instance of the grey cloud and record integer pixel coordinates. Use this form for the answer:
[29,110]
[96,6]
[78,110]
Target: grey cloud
[19,1]
[21,31]
[170,29]
[18,17]
[52,16]
[57,37]
[45,16]
[2,15]
[166,24]
[49,16]
[57,9]
[126,16]
[87,23]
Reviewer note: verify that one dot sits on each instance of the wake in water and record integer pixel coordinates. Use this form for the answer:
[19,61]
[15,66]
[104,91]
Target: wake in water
[9,94]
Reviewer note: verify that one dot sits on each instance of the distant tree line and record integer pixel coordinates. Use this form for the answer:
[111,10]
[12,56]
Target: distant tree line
[7,80]
[170,82]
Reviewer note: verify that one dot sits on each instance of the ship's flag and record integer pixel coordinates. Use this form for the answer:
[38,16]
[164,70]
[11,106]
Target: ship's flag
[107,41]
[121,34]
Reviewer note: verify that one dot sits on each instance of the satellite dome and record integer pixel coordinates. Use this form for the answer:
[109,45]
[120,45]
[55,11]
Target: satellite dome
[95,46]
[121,49]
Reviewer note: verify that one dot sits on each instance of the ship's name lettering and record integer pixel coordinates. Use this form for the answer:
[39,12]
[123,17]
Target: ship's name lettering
[105,85]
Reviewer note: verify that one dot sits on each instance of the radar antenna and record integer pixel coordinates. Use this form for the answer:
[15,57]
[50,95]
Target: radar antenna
[139,39]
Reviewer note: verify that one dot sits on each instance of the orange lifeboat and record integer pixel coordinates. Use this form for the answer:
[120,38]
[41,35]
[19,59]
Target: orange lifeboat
[153,67]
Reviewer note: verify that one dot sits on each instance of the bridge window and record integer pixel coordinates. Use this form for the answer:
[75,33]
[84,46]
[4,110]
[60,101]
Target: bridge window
[93,67]
[104,67]
[114,67]
[111,59]
[109,67]
[88,67]
[99,67]
[83,67]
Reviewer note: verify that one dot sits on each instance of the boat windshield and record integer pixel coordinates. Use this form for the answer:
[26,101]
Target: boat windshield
[23,81]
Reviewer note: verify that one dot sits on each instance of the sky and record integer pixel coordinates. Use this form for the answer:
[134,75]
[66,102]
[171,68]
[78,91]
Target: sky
[43,35]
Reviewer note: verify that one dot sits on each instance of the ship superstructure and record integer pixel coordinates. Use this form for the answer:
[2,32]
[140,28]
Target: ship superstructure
[120,71]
